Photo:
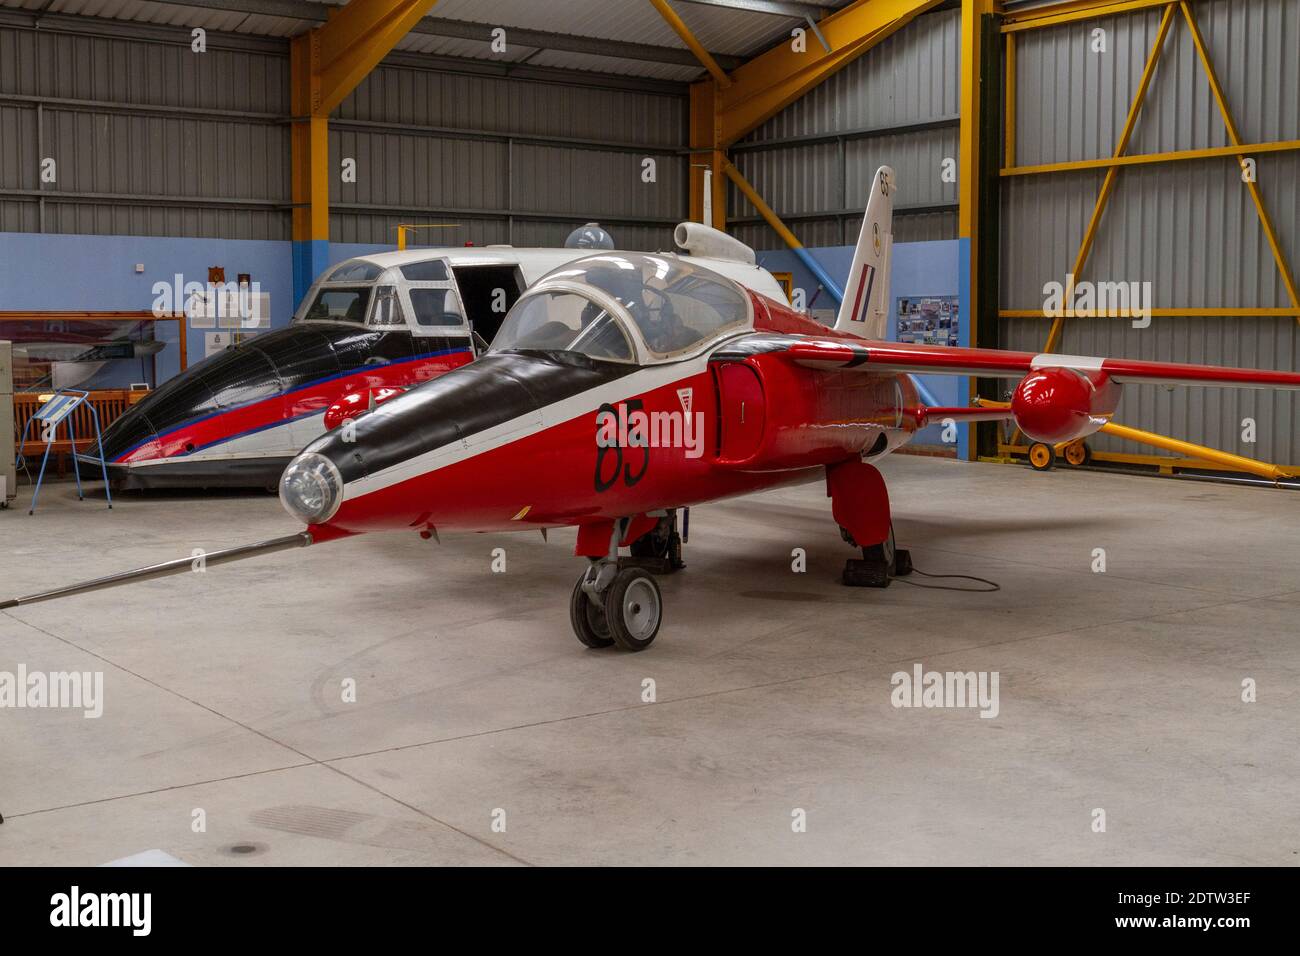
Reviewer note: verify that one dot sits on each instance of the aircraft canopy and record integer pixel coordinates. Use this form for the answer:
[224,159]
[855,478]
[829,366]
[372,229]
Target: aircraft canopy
[626,307]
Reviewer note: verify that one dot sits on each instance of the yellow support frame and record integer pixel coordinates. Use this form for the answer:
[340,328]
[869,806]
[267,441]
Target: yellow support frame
[1252,312]
[1210,152]
[1194,456]
[764,210]
[1075,10]
[769,83]
[1072,11]
[1108,184]
[682,30]
[325,65]
[1088,9]
[725,107]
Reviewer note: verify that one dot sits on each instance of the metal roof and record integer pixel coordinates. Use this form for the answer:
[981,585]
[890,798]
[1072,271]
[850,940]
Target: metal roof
[626,37]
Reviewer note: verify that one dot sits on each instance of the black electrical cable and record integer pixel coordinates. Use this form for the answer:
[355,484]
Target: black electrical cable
[992,585]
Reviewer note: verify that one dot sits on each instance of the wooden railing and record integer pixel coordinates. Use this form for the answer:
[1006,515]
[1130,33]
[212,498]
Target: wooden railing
[109,404]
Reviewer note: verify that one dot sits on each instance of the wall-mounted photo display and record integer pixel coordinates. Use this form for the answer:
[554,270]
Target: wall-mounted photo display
[928,320]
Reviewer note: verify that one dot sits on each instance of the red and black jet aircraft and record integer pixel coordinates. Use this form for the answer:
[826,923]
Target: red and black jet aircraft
[625,387]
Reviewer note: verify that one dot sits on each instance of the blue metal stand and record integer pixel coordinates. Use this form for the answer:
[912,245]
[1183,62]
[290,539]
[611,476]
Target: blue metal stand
[60,408]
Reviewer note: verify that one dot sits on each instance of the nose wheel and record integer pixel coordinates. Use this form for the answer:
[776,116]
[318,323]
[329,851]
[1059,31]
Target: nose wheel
[626,613]
[588,618]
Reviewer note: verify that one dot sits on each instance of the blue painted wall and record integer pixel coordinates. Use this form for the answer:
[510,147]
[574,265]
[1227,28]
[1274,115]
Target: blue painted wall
[57,272]
[918,269]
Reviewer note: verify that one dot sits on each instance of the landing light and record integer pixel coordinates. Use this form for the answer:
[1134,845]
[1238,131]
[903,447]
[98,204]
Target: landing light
[311,488]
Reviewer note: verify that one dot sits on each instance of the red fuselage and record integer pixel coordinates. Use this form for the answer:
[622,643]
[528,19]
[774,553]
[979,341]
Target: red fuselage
[521,442]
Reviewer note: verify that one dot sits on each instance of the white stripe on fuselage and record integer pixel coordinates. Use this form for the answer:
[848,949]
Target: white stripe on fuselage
[1079,363]
[643,380]
[284,439]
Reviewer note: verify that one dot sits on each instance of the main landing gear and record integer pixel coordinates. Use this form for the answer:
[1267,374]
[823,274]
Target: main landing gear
[860,503]
[879,563]
[617,601]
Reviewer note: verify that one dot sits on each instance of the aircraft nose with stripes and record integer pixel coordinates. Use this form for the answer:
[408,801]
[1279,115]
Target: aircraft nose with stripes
[239,417]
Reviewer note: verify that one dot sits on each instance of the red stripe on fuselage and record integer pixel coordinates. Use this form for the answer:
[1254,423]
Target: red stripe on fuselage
[283,408]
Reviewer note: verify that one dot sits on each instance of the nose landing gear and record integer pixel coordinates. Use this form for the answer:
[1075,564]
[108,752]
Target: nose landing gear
[617,601]
[627,612]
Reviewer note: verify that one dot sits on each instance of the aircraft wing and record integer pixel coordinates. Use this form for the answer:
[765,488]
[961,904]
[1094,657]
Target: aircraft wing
[866,356]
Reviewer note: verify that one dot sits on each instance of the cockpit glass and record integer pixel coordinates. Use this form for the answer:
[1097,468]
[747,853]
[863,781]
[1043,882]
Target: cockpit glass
[354,270]
[564,322]
[436,307]
[675,304]
[431,270]
[388,308]
[339,304]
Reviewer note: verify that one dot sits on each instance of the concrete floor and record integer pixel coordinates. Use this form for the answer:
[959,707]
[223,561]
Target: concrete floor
[1119,690]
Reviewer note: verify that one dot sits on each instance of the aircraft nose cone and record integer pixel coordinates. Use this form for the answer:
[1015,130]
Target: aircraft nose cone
[127,432]
[428,429]
[311,488]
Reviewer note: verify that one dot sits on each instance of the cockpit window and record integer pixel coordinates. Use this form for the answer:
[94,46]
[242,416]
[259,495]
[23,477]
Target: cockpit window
[388,308]
[565,322]
[354,270]
[432,270]
[675,304]
[436,307]
[339,304]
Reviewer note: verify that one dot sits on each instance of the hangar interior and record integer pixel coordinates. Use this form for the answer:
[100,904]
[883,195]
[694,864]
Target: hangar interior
[1149,149]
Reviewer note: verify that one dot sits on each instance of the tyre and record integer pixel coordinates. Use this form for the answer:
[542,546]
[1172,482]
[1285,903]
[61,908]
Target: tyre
[865,573]
[883,553]
[655,542]
[588,618]
[634,609]
[1078,453]
[1042,457]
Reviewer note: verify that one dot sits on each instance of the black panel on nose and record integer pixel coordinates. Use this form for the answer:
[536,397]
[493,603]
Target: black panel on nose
[497,388]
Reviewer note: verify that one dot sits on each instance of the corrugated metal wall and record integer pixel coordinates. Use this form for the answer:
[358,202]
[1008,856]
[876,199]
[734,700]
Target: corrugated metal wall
[895,105]
[1189,228]
[511,160]
[152,139]
[148,138]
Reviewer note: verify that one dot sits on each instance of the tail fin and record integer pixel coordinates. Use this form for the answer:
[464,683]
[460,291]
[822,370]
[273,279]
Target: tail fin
[865,309]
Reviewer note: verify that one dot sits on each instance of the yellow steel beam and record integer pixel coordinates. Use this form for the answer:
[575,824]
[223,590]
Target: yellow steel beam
[682,30]
[763,208]
[352,43]
[770,82]
[1072,11]
[1108,184]
[1198,312]
[1235,462]
[1165,463]
[973,13]
[309,149]
[1009,109]
[325,65]
[1186,448]
[726,107]
[706,154]
[968,132]
[1243,149]
[1235,138]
